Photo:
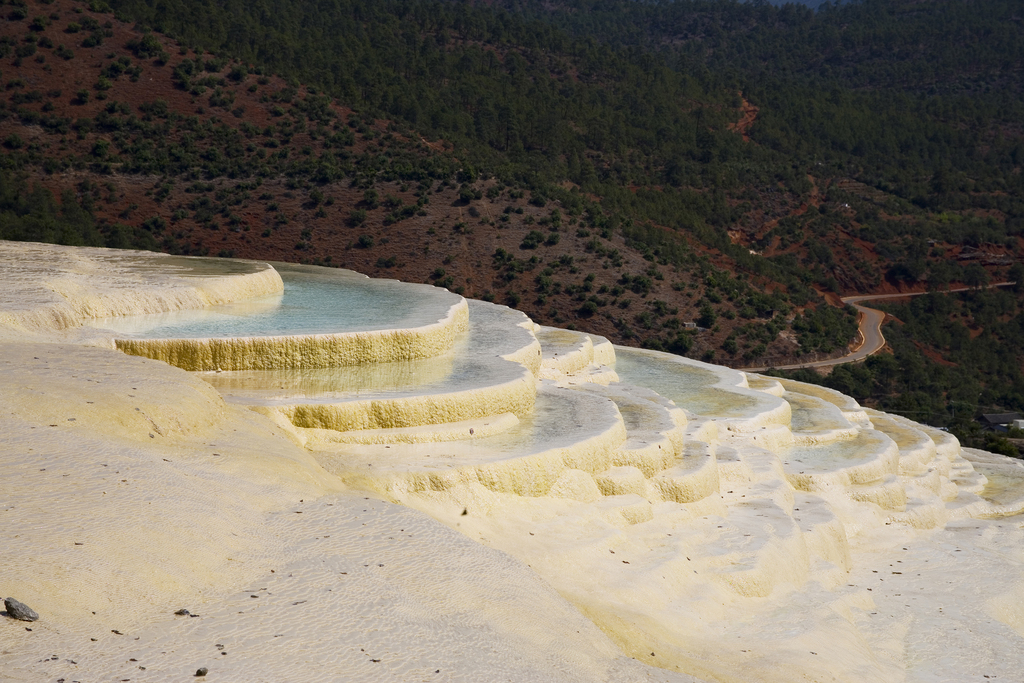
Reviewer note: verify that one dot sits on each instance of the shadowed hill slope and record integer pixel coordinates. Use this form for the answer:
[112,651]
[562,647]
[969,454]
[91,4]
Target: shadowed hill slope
[589,172]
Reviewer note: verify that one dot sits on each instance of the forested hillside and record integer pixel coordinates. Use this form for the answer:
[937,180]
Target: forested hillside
[903,111]
[616,166]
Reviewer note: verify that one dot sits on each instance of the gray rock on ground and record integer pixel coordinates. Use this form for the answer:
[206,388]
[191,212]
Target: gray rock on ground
[19,610]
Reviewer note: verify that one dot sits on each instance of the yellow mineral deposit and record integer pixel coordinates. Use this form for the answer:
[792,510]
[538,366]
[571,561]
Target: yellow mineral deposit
[288,473]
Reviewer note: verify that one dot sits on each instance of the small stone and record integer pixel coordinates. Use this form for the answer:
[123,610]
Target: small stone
[19,610]
[201,671]
[182,613]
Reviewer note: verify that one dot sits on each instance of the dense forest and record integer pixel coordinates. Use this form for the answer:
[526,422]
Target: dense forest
[917,103]
[624,166]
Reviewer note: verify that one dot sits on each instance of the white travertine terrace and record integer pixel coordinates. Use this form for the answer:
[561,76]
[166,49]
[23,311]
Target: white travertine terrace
[490,371]
[306,351]
[52,288]
[513,502]
[425,323]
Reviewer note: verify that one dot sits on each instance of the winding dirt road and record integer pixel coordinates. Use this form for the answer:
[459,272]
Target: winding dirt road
[870,326]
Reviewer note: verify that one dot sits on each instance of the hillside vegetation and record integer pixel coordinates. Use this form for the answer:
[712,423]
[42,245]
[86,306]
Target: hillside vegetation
[615,166]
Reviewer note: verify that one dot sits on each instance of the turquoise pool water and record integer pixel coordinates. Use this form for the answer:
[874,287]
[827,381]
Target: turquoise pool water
[690,386]
[315,301]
